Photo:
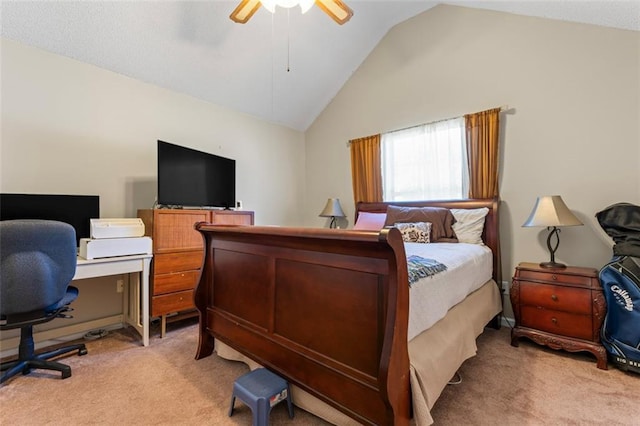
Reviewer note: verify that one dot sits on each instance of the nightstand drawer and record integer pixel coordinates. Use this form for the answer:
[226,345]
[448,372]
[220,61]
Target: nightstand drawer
[552,277]
[556,297]
[562,308]
[556,322]
[168,283]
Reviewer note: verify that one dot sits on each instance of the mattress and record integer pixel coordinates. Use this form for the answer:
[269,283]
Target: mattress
[469,266]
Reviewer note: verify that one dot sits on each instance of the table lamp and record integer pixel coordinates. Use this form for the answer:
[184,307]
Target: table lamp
[332,209]
[552,212]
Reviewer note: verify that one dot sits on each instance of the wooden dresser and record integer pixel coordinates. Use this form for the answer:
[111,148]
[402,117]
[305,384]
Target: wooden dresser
[560,308]
[178,253]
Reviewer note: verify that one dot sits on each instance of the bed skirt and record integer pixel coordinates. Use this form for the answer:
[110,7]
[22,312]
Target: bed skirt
[435,355]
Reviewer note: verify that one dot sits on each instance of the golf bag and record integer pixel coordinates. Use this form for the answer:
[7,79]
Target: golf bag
[620,280]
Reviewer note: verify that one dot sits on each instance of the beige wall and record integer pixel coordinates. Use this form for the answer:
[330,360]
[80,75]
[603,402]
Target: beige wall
[73,128]
[573,129]
[70,127]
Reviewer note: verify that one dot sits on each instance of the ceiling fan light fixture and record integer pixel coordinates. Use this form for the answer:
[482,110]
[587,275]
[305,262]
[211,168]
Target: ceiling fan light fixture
[287,3]
[336,9]
[270,5]
[305,5]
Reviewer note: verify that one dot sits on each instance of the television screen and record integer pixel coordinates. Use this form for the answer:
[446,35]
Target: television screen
[75,210]
[190,178]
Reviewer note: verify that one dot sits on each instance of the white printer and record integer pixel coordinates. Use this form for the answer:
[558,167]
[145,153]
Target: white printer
[116,228]
[115,237]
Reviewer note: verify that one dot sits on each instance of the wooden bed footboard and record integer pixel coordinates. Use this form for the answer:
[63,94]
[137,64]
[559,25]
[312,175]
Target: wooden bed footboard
[326,309]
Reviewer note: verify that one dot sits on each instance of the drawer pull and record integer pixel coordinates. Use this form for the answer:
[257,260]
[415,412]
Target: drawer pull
[554,277]
[554,320]
[554,297]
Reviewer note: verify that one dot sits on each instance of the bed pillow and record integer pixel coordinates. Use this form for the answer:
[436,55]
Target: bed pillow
[370,221]
[469,224]
[415,232]
[440,218]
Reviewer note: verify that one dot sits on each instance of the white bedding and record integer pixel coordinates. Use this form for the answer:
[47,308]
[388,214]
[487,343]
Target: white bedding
[469,266]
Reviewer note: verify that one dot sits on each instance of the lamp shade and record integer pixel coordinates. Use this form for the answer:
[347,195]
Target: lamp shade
[332,209]
[550,210]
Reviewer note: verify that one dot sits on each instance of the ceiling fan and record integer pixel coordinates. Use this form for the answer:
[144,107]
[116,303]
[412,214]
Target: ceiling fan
[336,9]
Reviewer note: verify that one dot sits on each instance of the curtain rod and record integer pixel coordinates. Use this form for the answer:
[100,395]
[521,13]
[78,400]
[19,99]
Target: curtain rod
[503,108]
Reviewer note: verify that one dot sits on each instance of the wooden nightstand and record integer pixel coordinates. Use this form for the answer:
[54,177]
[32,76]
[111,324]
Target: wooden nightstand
[559,308]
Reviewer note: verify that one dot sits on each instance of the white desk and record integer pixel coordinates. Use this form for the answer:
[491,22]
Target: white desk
[138,265]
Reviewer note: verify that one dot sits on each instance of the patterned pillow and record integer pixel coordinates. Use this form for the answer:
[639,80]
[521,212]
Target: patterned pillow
[440,218]
[415,232]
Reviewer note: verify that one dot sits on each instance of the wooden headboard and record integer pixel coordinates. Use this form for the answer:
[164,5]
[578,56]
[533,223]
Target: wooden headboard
[490,235]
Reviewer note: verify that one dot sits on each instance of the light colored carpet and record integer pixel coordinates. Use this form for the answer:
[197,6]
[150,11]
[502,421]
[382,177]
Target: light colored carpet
[121,382]
[535,385]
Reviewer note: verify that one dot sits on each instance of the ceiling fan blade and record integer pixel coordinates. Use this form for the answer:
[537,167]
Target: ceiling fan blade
[244,11]
[338,11]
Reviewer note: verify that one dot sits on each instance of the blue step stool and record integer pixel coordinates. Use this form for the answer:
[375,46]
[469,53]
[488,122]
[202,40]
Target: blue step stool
[261,389]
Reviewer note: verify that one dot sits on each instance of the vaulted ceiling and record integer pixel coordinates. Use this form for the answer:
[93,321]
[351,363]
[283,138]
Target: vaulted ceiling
[284,68]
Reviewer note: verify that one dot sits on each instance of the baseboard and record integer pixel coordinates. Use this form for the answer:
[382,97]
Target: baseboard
[42,339]
[507,321]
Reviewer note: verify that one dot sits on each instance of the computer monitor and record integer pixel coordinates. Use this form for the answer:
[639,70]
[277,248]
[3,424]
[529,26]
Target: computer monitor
[75,210]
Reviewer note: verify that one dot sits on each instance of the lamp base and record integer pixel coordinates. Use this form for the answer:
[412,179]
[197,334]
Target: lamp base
[552,265]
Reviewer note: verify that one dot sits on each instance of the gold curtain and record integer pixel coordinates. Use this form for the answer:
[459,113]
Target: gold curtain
[483,132]
[366,169]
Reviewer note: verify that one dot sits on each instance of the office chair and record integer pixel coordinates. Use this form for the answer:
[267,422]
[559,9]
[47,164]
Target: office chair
[38,261]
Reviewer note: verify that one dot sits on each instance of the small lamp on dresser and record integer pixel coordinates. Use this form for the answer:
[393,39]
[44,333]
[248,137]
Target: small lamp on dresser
[333,210]
[552,212]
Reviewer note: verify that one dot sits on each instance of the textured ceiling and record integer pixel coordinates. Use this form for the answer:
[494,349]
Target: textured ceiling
[284,68]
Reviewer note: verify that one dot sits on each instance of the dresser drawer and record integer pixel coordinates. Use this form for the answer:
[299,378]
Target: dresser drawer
[169,283]
[174,302]
[232,218]
[177,262]
[551,277]
[557,322]
[567,299]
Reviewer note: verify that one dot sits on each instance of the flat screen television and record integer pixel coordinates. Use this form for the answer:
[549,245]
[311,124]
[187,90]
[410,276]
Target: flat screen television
[191,178]
[75,210]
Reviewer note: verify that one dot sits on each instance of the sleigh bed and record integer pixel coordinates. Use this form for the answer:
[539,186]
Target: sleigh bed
[330,311]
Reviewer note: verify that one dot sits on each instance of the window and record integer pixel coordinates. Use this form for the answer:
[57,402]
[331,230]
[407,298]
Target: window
[427,162]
